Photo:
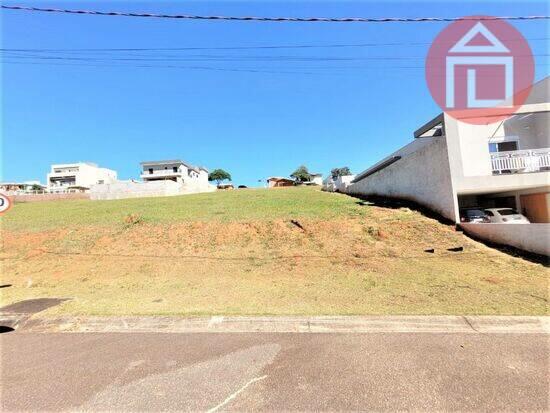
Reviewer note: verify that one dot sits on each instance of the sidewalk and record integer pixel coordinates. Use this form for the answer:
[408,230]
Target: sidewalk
[283,324]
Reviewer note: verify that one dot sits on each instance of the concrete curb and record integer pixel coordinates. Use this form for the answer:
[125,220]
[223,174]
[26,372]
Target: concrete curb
[316,324]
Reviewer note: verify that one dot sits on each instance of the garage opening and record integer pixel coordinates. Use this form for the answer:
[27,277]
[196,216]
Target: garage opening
[535,206]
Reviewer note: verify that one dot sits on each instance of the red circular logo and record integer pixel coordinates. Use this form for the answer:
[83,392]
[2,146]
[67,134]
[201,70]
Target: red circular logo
[480,70]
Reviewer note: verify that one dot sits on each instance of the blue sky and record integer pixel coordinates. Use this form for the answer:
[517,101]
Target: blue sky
[254,112]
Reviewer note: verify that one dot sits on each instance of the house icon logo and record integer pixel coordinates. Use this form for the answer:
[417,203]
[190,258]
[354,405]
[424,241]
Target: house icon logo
[480,55]
[477,66]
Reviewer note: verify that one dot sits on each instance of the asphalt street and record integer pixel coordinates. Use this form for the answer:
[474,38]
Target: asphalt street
[273,371]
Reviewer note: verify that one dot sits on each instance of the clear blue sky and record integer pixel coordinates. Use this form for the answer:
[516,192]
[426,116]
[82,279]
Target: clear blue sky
[265,113]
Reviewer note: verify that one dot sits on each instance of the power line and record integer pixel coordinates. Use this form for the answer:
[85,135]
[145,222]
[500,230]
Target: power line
[277,19]
[252,70]
[230,58]
[262,47]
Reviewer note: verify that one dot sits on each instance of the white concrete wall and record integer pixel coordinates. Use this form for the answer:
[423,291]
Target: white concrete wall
[89,175]
[317,180]
[342,182]
[130,189]
[329,184]
[203,178]
[421,175]
[528,237]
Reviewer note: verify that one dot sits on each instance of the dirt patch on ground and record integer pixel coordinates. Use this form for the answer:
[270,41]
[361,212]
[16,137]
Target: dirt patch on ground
[347,265]
[339,238]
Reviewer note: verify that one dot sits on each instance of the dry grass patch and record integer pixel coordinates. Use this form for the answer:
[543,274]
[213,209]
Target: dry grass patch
[360,260]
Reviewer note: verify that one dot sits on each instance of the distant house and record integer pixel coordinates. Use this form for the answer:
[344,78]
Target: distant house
[338,184]
[80,176]
[226,186]
[158,178]
[26,187]
[316,179]
[174,170]
[278,181]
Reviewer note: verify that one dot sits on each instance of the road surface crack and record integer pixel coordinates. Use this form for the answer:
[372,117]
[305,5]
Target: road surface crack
[232,396]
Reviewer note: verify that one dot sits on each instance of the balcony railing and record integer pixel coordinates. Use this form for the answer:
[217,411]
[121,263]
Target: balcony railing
[160,172]
[531,160]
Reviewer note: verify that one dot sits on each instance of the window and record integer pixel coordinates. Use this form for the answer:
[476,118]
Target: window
[507,211]
[510,145]
[175,169]
[150,171]
[489,213]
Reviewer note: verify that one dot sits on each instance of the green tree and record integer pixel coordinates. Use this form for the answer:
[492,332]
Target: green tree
[219,175]
[301,174]
[336,172]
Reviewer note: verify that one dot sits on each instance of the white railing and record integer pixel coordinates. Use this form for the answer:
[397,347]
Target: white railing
[530,160]
[160,172]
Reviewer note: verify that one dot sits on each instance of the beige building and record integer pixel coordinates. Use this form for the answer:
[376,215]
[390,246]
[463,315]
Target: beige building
[279,181]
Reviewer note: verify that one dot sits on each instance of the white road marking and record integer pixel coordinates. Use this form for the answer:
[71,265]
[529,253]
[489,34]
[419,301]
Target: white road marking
[232,396]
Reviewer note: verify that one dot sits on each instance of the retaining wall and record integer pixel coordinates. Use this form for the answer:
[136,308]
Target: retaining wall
[422,175]
[527,237]
[122,190]
[49,197]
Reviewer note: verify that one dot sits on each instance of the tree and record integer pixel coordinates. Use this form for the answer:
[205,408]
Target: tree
[301,174]
[219,175]
[336,172]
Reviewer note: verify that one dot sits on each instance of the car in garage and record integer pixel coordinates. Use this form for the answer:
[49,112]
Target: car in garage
[473,215]
[505,216]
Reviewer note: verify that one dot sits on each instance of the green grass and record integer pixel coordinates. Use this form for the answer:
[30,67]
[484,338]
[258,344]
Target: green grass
[223,206]
[237,252]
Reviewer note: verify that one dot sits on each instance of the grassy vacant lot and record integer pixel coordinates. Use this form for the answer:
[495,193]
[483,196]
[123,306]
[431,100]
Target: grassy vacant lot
[224,206]
[239,252]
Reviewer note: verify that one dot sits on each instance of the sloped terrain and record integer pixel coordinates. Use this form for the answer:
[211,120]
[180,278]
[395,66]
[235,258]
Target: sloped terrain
[283,251]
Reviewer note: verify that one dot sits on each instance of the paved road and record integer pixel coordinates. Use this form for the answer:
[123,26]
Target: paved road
[283,371]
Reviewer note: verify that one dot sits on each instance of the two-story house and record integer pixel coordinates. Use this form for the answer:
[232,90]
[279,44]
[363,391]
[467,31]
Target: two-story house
[452,164]
[174,170]
[80,175]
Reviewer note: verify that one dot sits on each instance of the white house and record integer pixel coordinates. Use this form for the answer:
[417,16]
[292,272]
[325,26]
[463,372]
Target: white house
[452,164]
[316,179]
[177,171]
[338,184]
[80,176]
[158,178]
